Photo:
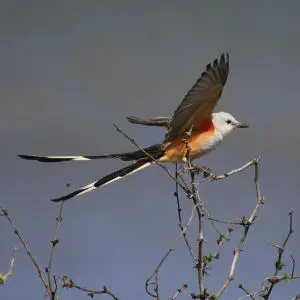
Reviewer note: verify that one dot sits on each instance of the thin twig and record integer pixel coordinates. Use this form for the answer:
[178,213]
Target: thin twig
[246,292]
[279,264]
[293,266]
[220,242]
[179,291]
[237,222]
[200,239]
[29,253]
[225,175]
[247,226]
[54,242]
[155,274]
[148,282]
[180,218]
[3,278]
[68,283]
[55,283]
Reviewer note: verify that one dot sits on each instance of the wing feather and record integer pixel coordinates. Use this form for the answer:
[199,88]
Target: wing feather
[200,101]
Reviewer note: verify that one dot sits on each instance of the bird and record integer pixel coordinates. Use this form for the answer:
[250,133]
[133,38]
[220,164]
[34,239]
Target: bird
[194,120]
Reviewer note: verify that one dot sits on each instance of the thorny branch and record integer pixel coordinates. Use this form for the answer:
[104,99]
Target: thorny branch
[179,291]
[156,271]
[221,176]
[248,294]
[220,242]
[3,278]
[68,283]
[54,242]
[50,291]
[29,253]
[269,282]
[176,194]
[198,203]
[247,226]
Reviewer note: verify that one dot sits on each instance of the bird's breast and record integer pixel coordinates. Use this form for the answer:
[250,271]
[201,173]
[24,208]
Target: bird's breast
[199,144]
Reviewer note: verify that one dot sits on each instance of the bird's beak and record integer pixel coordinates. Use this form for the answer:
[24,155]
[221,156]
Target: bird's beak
[242,125]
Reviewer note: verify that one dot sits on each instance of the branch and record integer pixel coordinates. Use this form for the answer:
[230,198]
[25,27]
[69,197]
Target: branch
[68,283]
[225,175]
[176,194]
[220,242]
[156,271]
[29,253]
[179,291]
[247,226]
[246,292]
[236,222]
[54,242]
[279,263]
[3,278]
[198,205]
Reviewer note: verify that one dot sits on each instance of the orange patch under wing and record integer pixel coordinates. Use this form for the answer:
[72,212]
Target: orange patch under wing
[176,151]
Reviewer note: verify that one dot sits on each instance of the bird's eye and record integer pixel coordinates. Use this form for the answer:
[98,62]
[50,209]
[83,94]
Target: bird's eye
[228,121]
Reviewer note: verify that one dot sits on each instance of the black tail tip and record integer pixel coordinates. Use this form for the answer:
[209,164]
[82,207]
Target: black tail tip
[132,119]
[56,200]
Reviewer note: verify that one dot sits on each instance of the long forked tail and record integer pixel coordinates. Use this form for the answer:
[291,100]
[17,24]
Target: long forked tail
[154,150]
[139,165]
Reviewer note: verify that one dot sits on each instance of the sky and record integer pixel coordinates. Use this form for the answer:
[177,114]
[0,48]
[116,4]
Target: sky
[72,69]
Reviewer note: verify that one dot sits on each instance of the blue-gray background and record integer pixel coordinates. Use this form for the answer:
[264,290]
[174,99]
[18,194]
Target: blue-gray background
[70,69]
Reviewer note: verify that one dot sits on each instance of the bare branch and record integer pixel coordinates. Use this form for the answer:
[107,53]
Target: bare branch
[237,222]
[220,242]
[156,271]
[68,283]
[198,204]
[246,292]
[293,266]
[225,175]
[54,242]
[247,226]
[279,265]
[3,278]
[179,291]
[29,253]
[176,194]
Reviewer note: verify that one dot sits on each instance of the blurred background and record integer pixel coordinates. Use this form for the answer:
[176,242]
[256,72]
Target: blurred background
[70,69]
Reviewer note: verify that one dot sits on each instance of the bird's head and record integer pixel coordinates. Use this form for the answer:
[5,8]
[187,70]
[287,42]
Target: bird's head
[225,123]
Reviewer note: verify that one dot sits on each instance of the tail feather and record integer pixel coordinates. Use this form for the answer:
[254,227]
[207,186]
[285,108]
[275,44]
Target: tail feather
[154,150]
[139,165]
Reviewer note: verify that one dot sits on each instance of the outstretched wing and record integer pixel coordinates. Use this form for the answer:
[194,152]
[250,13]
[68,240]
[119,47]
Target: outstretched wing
[198,104]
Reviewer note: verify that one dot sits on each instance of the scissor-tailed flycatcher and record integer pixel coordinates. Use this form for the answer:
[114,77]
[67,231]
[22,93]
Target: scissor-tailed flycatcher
[193,120]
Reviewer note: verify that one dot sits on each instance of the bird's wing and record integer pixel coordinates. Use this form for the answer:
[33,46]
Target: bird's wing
[198,104]
[158,121]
